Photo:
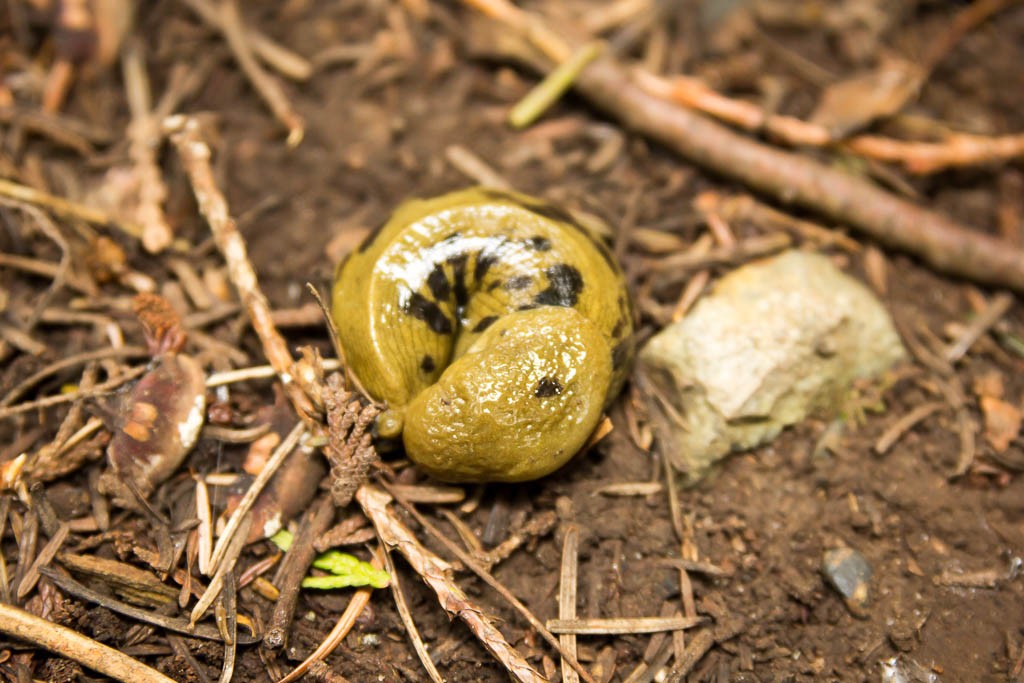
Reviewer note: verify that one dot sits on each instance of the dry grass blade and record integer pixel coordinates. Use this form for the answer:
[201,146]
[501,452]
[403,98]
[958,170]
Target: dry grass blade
[996,309]
[597,627]
[28,582]
[905,424]
[65,208]
[487,578]
[72,587]
[434,572]
[195,156]
[20,624]
[227,565]
[567,596]
[410,625]
[283,450]
[72,396]
[70,362]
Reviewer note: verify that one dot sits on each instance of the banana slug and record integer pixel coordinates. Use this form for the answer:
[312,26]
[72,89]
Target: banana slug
[494,326]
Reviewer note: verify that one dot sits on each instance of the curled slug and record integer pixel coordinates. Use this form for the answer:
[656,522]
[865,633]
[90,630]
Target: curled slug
[494,326]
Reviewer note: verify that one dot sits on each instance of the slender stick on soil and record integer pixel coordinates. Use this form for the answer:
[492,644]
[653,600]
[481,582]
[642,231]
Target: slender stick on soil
[434,572]
[227,565]
[219,379]
[746,208]
[686,262]
[567,585]
[265,84]
[282,59]
[60,276]
[44,269]
[68,643]
[410,625]
[293,569]
[939,241]
[65,208]
[72,396]
[966,20]
[31,577]
[475,567]
[283,450]
[995,310]
[555,84]
[148,616]
[958,149]
[475,168]
[143,143]
[905,424]
[61,130]
[622,625]
[195,156]
[227,621]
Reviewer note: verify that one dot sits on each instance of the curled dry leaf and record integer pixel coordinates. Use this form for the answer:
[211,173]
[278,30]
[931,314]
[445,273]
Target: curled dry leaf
[104,259]
[1002,422]
[160,323]
[852,104]
[162,418]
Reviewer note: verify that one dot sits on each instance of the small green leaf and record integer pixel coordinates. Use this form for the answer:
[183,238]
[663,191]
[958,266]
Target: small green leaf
[283,539]
[346,571]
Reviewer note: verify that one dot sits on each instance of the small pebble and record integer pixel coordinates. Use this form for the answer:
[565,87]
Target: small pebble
[850,574]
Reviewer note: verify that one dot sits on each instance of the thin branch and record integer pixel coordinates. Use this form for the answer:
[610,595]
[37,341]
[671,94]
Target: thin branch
[434,572]
[68,643]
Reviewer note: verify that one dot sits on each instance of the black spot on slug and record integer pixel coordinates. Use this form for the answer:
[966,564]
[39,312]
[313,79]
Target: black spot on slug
[548,386]
[619,326]
[485,323]
[564,286]
[438,283]
[422,308]
[622,352]
[484,261]
[427,365]
[518,282]
[539,242]
[458,263]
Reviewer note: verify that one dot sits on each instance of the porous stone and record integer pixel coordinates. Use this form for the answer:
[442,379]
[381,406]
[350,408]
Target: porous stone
[777,340]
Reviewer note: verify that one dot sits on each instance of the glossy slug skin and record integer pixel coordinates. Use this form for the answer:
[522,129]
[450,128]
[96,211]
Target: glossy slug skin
[493,325]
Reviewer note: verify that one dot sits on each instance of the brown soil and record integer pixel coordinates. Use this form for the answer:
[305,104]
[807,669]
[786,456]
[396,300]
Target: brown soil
[378,131]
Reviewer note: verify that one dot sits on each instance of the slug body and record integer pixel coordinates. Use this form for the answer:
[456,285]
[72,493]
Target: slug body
[495,327]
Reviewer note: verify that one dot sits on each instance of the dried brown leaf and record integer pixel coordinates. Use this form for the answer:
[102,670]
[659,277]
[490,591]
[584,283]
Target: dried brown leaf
[852,104]
[1002,422]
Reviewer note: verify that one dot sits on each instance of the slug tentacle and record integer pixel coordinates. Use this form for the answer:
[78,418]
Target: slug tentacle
[495,327]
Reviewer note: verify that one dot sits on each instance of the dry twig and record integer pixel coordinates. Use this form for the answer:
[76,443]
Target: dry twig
[265,84]
[435,571]
[567,596]
[68,643]
[790,178]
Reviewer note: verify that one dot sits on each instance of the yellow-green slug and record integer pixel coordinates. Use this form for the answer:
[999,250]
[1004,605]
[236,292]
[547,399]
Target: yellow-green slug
[494,326]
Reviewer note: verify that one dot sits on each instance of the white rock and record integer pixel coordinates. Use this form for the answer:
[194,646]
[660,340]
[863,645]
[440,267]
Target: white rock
[775,341]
